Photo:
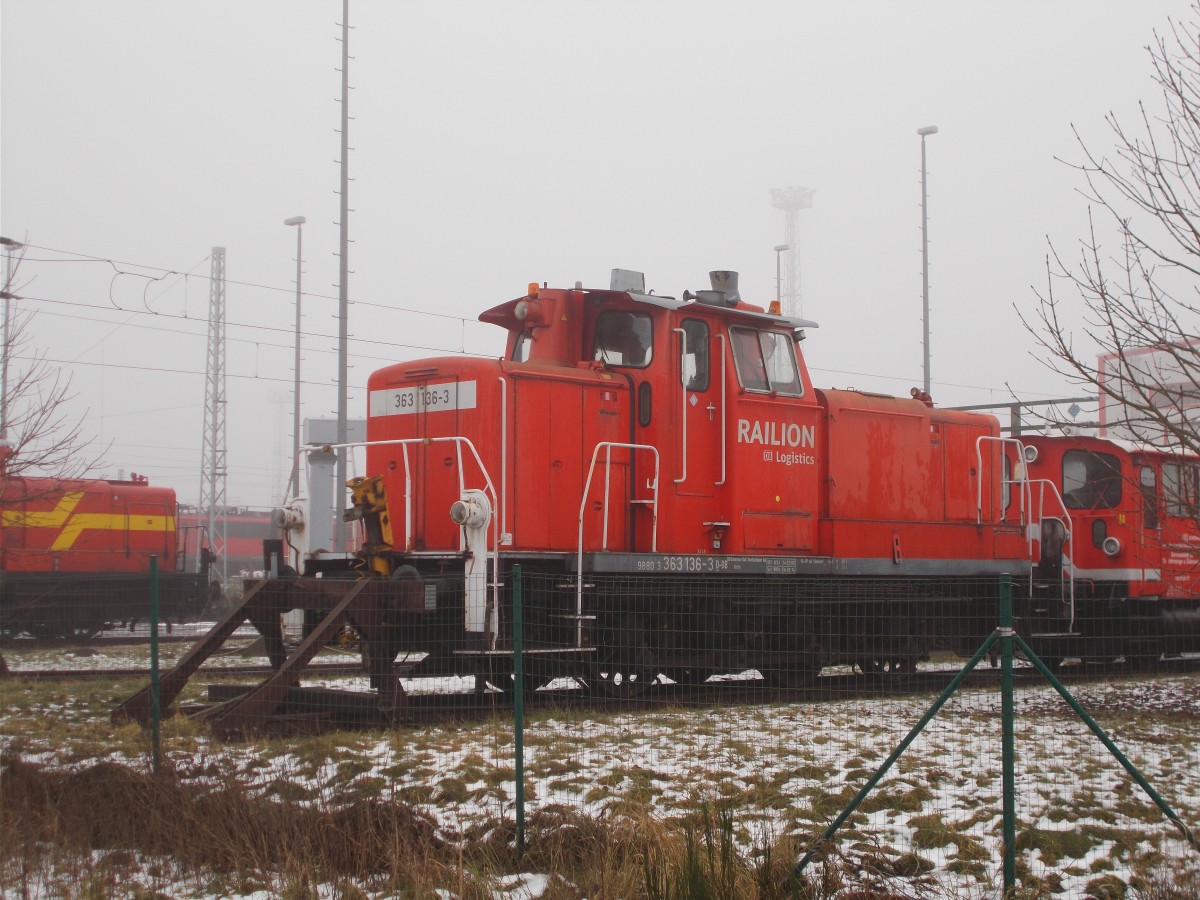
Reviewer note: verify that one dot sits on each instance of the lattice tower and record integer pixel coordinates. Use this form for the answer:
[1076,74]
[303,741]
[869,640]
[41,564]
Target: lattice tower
[213,469]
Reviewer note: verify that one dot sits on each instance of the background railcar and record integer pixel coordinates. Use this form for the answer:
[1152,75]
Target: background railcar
[1117,546]
[245,529]
[75,555]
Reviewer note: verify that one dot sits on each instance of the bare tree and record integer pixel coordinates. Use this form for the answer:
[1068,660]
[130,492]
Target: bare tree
[37,437]
[1138,344]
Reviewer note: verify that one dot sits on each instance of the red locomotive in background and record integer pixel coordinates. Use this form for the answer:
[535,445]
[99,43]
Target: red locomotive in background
[1117,549]
[75,555]
[705,509]
[244,528]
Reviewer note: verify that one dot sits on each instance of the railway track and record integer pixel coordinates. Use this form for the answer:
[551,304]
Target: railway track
[112,638]
[445,706]
[228,671]
[448,707]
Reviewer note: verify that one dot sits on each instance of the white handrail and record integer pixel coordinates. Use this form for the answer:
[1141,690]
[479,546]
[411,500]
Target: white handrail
[503,508]
[721,338]
[459,442]
[1069,537]
[1020,450]
[608,447]
[1025,487]
[683,416]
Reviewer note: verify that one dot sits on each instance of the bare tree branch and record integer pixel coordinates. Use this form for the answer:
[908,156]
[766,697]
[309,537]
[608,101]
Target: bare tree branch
[1125,323]
[39,438]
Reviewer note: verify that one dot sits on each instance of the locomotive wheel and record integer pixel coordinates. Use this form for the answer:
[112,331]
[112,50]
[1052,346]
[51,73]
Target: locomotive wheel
[507,684]
[880,667]
[611,682]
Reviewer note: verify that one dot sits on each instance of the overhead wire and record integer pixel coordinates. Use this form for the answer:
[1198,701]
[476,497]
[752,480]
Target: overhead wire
[246,325]
[83,257]
[88,258]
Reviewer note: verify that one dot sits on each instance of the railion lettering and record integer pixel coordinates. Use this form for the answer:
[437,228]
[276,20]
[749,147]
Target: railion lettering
[776,434]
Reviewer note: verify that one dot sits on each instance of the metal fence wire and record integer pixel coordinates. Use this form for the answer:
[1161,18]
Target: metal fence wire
[680,701]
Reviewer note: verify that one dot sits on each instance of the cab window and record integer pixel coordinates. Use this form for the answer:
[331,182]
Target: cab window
[765,361]
[1181,492]
[1091,480]
[696,356]
[623,339]
[521,347]
[1006,469]
[1148,483]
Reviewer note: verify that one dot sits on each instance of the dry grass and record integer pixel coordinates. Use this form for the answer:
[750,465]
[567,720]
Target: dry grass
[666,805]
[87,832]
[91,828]
[217,833]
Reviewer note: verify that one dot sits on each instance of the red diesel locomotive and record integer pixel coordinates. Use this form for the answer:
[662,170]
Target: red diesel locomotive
[701,507]
[75,555]
[698,507]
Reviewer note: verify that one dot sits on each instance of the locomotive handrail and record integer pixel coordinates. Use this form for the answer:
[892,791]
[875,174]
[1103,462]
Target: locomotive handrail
[683,417]
[503,509]
[459,441]
[608,447]
[724,398]
[1069,537]
[1020,450]
[684,406]
[1025,490]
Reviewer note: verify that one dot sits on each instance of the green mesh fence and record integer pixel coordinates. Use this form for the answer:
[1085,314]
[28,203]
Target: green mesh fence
[745,713]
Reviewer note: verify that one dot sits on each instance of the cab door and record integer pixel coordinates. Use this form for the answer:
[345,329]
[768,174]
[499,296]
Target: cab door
[774,439]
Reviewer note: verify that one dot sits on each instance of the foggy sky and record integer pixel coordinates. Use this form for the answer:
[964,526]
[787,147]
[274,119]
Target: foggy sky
[498,143]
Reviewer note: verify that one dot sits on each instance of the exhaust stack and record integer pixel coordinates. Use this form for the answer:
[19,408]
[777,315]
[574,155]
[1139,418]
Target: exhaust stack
[727,282]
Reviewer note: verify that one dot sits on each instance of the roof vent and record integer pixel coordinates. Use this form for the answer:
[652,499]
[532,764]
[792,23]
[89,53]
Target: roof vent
[627,280]
[711,298]
[726,281]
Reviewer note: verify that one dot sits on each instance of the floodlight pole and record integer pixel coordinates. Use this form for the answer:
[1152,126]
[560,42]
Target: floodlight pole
[779,248]
[924,133]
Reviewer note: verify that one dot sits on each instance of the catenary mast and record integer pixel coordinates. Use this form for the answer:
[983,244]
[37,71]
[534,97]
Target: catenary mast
[340,542]
[213,466]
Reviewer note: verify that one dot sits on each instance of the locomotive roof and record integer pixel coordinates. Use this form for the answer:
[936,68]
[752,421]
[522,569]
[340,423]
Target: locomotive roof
[1129,446]
[761,316]
[755,315]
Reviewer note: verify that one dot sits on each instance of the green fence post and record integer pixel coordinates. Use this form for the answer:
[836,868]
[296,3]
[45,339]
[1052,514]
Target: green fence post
[518,637]
[155,711]
[1005,631]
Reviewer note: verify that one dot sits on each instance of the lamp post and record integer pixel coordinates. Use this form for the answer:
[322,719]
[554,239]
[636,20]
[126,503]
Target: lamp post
[924,133]
[294,478]
[9,246]
[779,248]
